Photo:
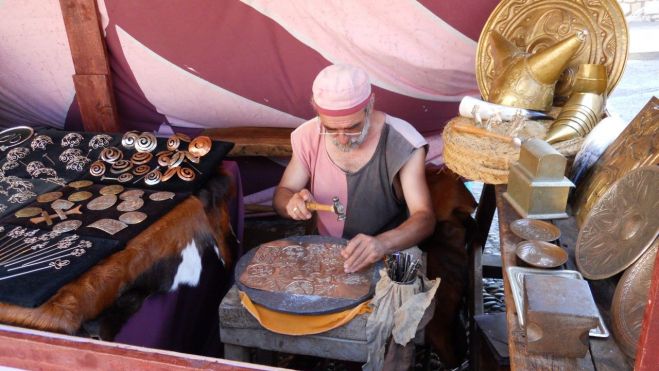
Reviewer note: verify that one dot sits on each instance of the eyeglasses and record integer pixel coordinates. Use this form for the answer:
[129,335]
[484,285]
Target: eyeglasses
[352,131]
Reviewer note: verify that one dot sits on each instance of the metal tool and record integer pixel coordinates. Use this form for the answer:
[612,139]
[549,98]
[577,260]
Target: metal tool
[336,207]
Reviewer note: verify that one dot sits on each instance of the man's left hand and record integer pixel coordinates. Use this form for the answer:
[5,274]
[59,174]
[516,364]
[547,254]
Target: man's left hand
[361,252]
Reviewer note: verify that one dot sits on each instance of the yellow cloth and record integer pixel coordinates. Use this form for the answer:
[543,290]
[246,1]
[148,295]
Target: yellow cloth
[297,324]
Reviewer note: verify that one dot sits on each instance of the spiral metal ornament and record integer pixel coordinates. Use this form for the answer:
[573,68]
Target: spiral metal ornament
[141,158]
[141,170]
[129,139]
[125,177]
[165,159]
[99,141]
[192,158]
[40,142]
[17,153]
[169,174]
[200,146]
[177,159]
[111,155]
[97,168]
[121,166]
[72,140]
[146,142]
[173,142]
[186,174]
[153,177]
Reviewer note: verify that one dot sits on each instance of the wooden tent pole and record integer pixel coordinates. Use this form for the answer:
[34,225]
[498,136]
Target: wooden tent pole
[93,81]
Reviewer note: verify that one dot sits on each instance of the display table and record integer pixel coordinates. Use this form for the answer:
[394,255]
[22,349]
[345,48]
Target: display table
[604,353]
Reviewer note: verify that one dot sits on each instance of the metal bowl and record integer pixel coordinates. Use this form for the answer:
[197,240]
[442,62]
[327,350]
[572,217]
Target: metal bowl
[541,254]
[533,229]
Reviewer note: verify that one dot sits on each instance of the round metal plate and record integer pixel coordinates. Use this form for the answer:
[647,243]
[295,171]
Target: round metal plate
[541,254]
[49,197]
[161,196]
[28,212]
[630,299]
[130,204]
[102,202]
[532,229]
[300,294]
[61,204]
[80,196]
[80,184]
[133,217]
[621,225]
[14,136]
[67,226]
[111,189]
[533,25]
[131,193]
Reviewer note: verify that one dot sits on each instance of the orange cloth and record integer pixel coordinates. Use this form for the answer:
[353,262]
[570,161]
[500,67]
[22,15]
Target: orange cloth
[297,324]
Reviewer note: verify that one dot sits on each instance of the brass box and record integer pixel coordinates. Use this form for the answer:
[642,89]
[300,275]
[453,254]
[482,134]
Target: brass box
[537,199]
[542,161]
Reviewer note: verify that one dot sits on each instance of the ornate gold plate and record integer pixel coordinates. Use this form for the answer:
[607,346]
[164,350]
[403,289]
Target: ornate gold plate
[636,146]
[620,226]
[533,25]
[630,299]
[533,229]
[541,254]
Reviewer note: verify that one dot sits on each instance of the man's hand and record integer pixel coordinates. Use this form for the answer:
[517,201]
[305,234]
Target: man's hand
[296,206]
[361,252]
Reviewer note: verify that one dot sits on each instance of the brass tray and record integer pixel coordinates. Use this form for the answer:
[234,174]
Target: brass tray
[516,279]
[621,225]
[303,275]
[630,299]
[533,25]
[541,254]
[533,229]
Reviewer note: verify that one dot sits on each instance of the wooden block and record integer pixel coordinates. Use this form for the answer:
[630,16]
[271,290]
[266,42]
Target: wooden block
[559,314]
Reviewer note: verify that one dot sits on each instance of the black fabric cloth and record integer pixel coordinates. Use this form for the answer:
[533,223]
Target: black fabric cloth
[34,288]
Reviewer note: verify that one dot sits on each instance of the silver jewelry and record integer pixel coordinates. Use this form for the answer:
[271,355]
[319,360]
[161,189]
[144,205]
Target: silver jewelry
[40,142]
[146,142]
[129,139]
[78,163]
[69,154]
[72,140]
[99,141]
[17,153]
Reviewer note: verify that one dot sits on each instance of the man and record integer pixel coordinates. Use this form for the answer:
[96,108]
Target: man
[373,162]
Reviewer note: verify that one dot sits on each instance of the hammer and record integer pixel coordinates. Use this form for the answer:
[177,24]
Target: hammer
[336,207]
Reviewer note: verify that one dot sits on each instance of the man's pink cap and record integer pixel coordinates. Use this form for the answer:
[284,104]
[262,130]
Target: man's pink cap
[341,90]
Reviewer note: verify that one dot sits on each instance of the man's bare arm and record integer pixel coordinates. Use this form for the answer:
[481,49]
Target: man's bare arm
[291,194]
[364,250]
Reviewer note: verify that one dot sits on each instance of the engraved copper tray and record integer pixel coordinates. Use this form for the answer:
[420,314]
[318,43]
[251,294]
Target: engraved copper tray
[533,229]
[630,299]
[620,226]
[303,275]
[533,25]
[516,279]
[541,254]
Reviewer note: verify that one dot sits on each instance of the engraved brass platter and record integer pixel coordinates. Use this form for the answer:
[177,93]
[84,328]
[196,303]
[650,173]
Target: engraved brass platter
[541,254]
[533,229]
[630,299]
[620,226]
[636,146]
[303,275]
[533,25]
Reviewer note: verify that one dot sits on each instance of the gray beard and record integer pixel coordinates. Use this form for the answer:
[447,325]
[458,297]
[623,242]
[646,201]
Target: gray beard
[354,143]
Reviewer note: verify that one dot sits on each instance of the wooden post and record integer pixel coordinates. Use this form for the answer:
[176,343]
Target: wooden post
[93,82]
[647,357]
